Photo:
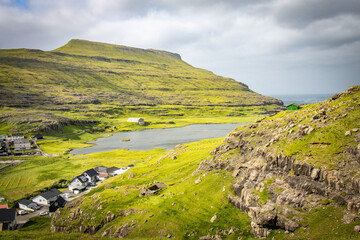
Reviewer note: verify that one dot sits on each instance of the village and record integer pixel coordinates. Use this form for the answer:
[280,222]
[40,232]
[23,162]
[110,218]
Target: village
[16,145]
[46,203]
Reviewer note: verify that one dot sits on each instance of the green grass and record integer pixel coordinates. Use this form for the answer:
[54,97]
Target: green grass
[321,223]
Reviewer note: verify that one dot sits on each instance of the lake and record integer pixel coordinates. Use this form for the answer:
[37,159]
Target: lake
[158,138]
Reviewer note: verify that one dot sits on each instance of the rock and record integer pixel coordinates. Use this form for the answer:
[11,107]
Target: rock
[309,130]
[348,133]
[315,173]
[173,157]
[224,189]
[358,146]
[357,228]
[349,218]
[213,219]
[355,130]
[197,181]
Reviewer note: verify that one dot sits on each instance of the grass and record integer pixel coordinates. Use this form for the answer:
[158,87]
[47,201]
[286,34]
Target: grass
[181,209]
[321,223]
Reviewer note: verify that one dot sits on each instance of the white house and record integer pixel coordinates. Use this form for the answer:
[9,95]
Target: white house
[78,183]
[22,144]
[28,205]
[91,175]
[139,121]
[47,197]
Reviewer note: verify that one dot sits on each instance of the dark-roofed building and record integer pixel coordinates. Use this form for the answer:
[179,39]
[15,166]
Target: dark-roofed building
[28,205]
[91,175]
[58,203]
[47,197]
[111,170]
[16,136]
[7,219]
[78,183]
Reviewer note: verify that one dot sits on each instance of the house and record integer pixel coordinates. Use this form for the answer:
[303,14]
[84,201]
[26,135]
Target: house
[28,205]
[4,206]
[91,175]
[152,189]
[7,219]
[22,144]
[47,197]
[139,121]
[102,171]
[58,203]
[292,106]
[16,136]
[112,170]
[78,183]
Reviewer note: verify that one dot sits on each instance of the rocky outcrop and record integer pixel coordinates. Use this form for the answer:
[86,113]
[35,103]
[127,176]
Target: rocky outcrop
[272,187]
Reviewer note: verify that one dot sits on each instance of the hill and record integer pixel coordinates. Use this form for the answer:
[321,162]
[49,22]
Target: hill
[81,74]
[296,175]
[293,175]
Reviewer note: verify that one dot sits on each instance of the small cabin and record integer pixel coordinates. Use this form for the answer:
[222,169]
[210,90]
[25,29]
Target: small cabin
[139,121]
[292,106]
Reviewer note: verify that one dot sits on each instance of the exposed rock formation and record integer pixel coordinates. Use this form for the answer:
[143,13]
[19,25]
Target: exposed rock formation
[270,186]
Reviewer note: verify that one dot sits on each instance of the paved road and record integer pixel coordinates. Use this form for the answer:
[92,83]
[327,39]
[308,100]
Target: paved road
[22,219]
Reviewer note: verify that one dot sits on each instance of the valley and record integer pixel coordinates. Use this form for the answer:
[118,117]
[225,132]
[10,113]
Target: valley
[287,175]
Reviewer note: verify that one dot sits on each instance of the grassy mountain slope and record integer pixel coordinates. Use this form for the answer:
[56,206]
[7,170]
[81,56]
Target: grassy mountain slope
[297,170]
[81,74]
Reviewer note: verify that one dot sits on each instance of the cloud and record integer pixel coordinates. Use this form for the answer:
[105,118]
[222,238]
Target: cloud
[259,42]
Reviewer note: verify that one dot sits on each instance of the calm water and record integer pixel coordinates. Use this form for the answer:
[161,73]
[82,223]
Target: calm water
[158,138]
[303,98]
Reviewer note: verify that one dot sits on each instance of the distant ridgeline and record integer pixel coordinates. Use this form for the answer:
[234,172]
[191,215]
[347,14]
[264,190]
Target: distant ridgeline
[83,72]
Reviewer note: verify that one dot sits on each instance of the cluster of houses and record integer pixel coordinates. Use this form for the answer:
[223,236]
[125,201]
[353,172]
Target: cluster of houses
[91,176]
[53,198]
[18,140]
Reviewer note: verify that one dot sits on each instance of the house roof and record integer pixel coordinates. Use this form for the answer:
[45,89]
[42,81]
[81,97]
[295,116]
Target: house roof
[7,215]
[50,194]
[101,169]
[17,134]
[91,172]
[25,202]
[4,206]
[59,202]
[293,104]
[135,119]
[81,178]
[112,169]
[21,141]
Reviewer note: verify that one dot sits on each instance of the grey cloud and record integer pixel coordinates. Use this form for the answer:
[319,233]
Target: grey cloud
[301,13]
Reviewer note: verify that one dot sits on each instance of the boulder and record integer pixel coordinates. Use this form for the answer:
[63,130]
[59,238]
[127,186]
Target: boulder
[357,228]
[348,133]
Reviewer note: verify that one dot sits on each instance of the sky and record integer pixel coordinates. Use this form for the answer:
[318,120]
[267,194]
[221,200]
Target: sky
[273,46]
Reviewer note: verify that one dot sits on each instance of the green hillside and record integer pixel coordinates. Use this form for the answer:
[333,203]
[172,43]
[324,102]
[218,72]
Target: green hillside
[83,75]
[293,175]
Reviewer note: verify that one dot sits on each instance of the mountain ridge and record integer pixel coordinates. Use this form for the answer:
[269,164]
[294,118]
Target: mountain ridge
[83,73]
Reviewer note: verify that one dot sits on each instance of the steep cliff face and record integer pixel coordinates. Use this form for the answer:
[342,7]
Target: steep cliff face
[287,164]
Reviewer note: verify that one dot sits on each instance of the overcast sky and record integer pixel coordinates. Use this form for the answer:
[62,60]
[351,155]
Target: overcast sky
[273,46]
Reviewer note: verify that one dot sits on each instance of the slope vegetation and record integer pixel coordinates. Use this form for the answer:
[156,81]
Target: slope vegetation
[83,73]
[296,175]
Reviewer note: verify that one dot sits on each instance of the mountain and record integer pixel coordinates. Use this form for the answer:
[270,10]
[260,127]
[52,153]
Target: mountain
[293,175]
[90,72]
[81,74]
